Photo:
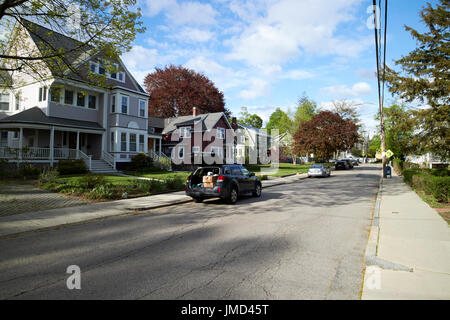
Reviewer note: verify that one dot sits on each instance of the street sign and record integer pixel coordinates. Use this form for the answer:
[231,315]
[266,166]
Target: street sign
[378,155]
[389,154]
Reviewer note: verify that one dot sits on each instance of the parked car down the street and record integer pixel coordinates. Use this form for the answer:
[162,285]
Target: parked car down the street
[226,182]
[342,164]
[318,170]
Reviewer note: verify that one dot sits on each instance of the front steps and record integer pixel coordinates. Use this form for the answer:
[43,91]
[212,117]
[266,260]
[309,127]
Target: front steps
[101,166]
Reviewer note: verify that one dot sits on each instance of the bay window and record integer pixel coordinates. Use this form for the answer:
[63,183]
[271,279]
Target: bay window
[141,143]
[92,102]
[81,99]
[125,104]
[123,141]
[132,142]
[68,97]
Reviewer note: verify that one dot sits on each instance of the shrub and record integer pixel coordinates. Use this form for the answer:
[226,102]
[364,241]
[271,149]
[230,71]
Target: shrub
[176,183]
[29,171]
[91,181]
[163,163]
[104,191]
[69,166]
[440,188]
[398,165]
[140,162]
[48,175]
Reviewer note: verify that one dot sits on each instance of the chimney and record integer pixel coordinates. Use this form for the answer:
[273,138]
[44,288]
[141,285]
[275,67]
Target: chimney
[233,123]
[194,111]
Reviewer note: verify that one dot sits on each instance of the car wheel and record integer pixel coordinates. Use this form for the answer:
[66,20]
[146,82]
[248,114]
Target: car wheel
[257,192]
[232,199]
[198,200]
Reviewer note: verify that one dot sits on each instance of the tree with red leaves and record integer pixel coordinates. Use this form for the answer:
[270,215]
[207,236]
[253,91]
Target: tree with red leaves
[175,90]
[324,134]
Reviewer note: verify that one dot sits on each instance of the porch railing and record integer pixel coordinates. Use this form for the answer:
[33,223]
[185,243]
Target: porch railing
[109,158]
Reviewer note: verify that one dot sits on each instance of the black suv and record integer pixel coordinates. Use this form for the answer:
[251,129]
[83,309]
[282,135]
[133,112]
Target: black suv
[342,164]
[231,181]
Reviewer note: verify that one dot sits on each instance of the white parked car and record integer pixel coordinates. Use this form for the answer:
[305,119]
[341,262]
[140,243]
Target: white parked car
[318,170]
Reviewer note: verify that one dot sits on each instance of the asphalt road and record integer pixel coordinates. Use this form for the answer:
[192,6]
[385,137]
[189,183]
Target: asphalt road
[304,240]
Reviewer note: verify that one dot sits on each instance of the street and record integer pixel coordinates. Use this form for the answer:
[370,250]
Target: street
[303,240]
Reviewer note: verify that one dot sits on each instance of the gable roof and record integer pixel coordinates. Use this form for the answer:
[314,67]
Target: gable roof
[78,53]
[208,121]
[36,116]
[257,130]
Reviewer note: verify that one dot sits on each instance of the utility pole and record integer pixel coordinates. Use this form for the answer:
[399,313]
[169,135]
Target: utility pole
[380,94]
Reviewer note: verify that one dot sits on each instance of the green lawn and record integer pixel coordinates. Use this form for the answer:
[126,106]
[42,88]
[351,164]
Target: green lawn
[117,180]
[162,175]
[284,169]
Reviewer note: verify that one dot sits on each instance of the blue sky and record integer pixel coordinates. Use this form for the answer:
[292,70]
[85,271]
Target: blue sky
[264,54]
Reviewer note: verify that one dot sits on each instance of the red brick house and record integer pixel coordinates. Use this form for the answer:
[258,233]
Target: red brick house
[192,139]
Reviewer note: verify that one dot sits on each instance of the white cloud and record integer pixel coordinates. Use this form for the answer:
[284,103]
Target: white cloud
[297,74]
[141,61]
[194,12]
[343,92]
[258,88]
[189,34]
[289,27]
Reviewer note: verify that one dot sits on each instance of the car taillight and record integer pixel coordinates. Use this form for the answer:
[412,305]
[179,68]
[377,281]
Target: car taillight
[188,178]
[221,179]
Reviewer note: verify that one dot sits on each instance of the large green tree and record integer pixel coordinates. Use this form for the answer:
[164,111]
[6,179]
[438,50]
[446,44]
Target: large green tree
[250,119]
[279,120]
[306,109]
[399,130]
[425,76]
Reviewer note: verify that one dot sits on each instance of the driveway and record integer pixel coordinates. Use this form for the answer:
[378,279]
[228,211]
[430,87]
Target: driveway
[18,197]
[303,240]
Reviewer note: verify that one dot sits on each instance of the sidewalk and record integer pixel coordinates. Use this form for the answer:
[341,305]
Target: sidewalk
[14,224]
[412,247]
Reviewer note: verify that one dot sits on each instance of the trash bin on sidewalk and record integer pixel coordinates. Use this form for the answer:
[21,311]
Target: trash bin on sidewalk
[388,171]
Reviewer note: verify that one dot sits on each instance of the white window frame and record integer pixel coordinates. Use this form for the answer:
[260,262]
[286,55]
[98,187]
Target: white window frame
[112,141]
[195,149]
[141,145]
[183,131]
[42,96]
[114,99]
[122,141]
[74,96]
[17,102]
[75,103]
[128,103]
[220,133]
[96,66]
[139,108]
[96,101]
[135,141]
[243,139]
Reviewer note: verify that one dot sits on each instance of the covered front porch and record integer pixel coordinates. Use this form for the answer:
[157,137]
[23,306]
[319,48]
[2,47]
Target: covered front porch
[48,140]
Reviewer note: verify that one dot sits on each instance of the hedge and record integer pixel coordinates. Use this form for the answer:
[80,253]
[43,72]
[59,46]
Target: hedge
[71,166]
[435,182]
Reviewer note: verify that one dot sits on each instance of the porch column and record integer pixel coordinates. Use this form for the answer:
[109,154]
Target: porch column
[154,145]
[20,143]
[159,146]
[52,144]
[78,143]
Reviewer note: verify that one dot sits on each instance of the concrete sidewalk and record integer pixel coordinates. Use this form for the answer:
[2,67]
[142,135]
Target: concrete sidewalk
[37,220]
[413,248]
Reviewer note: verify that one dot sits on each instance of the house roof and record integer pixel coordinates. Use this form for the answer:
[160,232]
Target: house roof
[208,121]
[257,130]
[36,116]
[156,122]
[48,40]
